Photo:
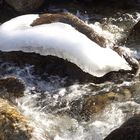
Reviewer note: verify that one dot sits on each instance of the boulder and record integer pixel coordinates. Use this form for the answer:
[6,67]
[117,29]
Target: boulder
[122,3]
[130,130]
[13,125]
[25,5]
[11,87]
[1,1]
[57,66]
[133,37]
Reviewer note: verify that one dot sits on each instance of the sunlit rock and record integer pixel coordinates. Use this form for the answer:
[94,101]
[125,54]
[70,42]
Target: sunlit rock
[129,130]
[25,5]
[95,104]
[1,1]
[13,125]
[11,87]
[88,105]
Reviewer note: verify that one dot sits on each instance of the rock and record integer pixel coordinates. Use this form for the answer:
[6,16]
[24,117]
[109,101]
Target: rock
[1,1]
[135,89]
[95,104]
[56,66]
[88,105]
[130,130]
[126,3]
[116,3]
[13,125]
[133,37]
[11,87]
[25,5]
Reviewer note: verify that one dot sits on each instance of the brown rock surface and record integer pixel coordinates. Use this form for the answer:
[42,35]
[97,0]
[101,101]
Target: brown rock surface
[11,87]
[13,125]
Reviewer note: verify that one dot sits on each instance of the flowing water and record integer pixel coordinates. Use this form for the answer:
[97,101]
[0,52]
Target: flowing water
[55,109]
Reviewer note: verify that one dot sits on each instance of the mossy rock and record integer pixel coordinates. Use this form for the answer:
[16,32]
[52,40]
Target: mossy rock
[13,125]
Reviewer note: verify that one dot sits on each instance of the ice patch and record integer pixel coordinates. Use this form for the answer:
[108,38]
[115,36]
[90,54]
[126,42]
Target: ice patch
[61,40]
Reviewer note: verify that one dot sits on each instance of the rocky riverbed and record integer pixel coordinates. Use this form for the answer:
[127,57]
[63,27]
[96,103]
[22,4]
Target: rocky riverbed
[45,98]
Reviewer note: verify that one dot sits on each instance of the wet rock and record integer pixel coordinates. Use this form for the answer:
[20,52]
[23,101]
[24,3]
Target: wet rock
[1,1]
[133,37]
[135,90]
[25,5]
[95,104]
[13,125]
[74,21]
[116,3]
[123,94]
[88,105]
[126,3]
[57,66]
[130,130]
[11,87]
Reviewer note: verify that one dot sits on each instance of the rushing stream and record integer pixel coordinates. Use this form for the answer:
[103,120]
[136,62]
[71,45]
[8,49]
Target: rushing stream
[58,110]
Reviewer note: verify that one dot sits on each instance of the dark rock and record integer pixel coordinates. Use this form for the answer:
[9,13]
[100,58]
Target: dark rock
[133,37]
[11,87]
[116,3]
[130,130]
[25,5]
[126,3]
[1,1]
[57,66]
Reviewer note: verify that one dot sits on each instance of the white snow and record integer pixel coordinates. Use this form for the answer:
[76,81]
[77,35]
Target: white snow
[61,40]
[19,23]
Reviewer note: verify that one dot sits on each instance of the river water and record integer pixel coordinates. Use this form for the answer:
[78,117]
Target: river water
[60,111]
